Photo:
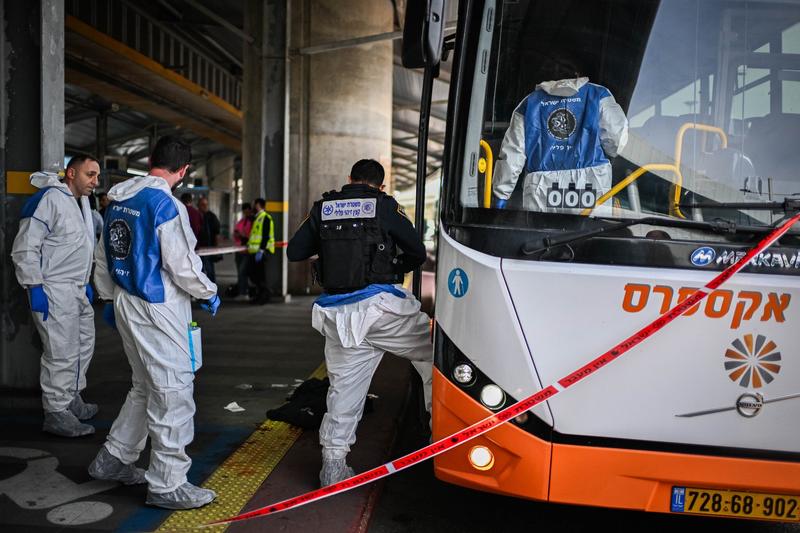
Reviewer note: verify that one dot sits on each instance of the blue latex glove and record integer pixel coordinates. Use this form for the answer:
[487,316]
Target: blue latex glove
[39,301]
[109,316]
[259,256]
[500,204]
[211,305]
[89,293]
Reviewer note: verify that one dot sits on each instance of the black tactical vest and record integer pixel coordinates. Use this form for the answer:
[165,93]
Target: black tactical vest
[355,251]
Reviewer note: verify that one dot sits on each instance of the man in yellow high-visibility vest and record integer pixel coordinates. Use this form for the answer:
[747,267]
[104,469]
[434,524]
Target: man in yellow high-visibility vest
[261,241]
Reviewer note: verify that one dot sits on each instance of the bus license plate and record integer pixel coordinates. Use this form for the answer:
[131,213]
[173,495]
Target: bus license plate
[757,505]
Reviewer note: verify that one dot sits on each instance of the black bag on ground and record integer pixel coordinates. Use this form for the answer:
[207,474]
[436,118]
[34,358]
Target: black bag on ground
[307,404]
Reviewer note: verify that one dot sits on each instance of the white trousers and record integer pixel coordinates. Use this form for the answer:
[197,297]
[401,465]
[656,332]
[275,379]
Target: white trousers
[160,403]
[356,337]
[68,344]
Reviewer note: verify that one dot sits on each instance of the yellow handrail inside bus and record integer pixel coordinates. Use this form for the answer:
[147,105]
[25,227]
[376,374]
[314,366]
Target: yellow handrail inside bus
[487,177]
[633,176]
[675,169]
[679,152]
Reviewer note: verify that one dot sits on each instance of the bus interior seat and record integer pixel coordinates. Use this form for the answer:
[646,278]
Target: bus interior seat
[701,151]
[729,166]
[660,132]
[772,141]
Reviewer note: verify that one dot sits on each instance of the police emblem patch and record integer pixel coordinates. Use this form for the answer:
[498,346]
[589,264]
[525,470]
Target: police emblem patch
[119,239]
[561,123]
[349,208]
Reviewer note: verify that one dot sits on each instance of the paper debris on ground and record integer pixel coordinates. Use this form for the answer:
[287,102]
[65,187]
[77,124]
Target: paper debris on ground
[234,407]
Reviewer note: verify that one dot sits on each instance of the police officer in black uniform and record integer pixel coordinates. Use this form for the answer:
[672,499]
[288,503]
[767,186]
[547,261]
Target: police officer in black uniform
[365,245]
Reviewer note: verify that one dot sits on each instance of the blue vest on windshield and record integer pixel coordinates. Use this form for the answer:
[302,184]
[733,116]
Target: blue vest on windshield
[563,133]
[131,241]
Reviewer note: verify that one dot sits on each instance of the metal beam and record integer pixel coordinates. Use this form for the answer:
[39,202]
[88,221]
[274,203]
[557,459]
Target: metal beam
[410,146]
[357,41]
[221,49]
[444,75]
[138,154]
[404,157]
[438,136]
[76,114]
[219,20]
[143,133]
[176,13]
[72,149]
[406,105]
[397,140]
[415,105]
[349,43]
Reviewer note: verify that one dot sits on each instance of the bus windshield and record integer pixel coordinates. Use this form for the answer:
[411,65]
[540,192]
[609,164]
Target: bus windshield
[634,108]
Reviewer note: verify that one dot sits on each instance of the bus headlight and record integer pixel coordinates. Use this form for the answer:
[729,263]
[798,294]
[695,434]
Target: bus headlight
[492,396]
[481,458]
[463,374]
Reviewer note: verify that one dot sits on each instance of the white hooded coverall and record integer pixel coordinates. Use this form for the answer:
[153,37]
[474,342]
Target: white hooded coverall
[356,337]
[146,263]
[53,248]
[562,133]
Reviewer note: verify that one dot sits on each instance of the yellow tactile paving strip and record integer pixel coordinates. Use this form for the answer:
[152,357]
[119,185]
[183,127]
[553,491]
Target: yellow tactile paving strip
[238,478]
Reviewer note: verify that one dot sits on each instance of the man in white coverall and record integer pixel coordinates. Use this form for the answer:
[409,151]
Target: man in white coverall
[146,264]
[562,133]
[52,255]
[364,312]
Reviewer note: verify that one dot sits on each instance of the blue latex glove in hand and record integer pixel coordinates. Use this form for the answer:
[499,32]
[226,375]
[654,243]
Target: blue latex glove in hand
[500,204]
[90,293]
[109,316]
[211,305]
[39,301]
[259,256]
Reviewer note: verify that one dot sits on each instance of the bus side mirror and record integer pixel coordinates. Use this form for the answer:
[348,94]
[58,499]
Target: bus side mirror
[423,33]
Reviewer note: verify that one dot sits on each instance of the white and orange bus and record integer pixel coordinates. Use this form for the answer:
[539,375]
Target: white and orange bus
[703,417]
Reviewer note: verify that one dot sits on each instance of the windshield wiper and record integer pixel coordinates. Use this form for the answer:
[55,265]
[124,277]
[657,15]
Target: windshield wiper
[717,226]
[788,205]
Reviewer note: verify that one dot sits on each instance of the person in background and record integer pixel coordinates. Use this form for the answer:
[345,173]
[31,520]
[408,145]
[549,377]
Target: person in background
[97,218]
[241,233]
[195,217]
[261,242]
[209,236]
[52,256]
[103,200]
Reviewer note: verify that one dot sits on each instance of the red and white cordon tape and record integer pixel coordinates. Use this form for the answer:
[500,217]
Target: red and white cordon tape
[220,250]
[493,421]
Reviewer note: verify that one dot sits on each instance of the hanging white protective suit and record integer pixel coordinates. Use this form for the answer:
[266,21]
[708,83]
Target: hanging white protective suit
[54,248]
[561,135]
[146,263]
[356,337]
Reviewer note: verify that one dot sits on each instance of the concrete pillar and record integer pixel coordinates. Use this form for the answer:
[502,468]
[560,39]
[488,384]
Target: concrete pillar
[32,137]
[341,103]
[265,122]
[252,102]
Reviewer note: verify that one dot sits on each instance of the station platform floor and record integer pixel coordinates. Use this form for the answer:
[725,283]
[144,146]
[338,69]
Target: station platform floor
[253,355]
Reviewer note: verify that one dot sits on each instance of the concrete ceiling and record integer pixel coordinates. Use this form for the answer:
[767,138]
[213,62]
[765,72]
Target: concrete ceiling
[210,26]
